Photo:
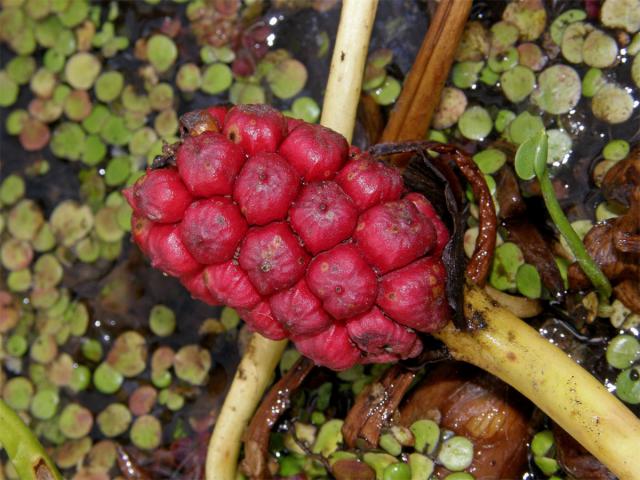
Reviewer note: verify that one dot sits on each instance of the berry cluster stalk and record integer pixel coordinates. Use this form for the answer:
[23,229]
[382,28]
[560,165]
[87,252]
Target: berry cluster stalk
[516,353]
[25,451]
[255,371]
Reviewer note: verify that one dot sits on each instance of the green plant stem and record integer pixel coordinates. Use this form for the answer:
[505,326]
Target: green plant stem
[24,450]
[587,264]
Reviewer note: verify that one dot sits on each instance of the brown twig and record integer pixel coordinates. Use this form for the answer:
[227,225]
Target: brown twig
[375,406]
[273,405]
[420,95]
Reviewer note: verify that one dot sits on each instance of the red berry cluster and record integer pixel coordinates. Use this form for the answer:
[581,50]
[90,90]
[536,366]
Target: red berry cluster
[309,241]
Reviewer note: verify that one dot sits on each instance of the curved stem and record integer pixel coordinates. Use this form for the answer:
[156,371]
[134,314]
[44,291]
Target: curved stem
[516,353]
[25,451]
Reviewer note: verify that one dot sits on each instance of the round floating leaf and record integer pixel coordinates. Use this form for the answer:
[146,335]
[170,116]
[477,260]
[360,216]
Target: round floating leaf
[475,123]
[146,432]
[192,364]
[507,260]
[529,16]
[561,22]
[242,92]
[453,103]
[474,44]
[161,52]
[528,281]
[114,420]
[599,50]
[71,222]
[612,104]
[388,92]
[287,78]
[517,83]
[115,131]
[373,77]
[216,79]
[490,161]
[77,105]
[628,385]
[128,354]
[109,86]
[188,78]
[75,421]
[161,96]
[465,74]
[621,14]
[531,55]
[504,60]
[68,141]
[165,124]
[306,108]
[8,90]
[503,36]
[75,13]
[616,150]
[558,91]
[35,135]
[21,68]
[16,121]
[81,70]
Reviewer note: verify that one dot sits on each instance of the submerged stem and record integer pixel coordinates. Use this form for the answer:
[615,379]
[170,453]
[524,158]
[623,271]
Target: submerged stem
[25,451]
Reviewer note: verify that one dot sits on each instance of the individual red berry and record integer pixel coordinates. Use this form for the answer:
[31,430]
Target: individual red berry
[425,207]
[140,229]
[218,113]
[160,196]
[415,296]
[343,280]
[212,229]
[376,334]
[369,182]
[168,253]
[272,257]
[230,285]
[330,348]
[209,163]
[265,188]
[316,152]
[196,286]
[299,310]
[256,128]
[323,215]
[393,234]
[260,319]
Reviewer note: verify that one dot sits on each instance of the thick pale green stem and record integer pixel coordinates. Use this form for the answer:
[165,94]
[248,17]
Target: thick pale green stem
[262,356]
[516,353]
[24,450]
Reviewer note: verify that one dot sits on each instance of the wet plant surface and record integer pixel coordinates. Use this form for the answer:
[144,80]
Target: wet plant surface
[98,350]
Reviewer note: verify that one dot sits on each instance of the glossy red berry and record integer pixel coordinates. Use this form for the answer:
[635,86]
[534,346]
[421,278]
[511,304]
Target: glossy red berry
[323,215]
[265,188]
[212,229]
[393,234]
[316,152]
[255,128]
[160,196]
[209,163]
[343,280]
